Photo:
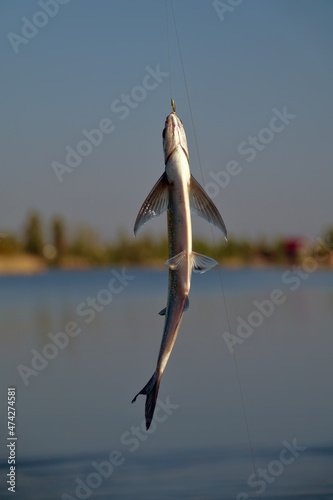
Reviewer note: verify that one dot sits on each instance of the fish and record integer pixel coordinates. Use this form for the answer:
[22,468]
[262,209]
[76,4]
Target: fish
[178,193]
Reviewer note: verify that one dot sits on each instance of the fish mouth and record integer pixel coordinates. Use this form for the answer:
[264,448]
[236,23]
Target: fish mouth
[174,123]
[173,118]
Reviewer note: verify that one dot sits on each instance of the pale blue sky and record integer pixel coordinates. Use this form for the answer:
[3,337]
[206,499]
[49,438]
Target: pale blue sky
[266,54]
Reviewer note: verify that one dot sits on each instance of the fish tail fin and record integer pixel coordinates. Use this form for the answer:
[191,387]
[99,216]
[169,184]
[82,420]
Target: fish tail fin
[151,391]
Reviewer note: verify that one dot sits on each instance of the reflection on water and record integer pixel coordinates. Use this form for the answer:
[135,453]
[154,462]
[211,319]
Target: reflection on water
[74,397]
[201,473]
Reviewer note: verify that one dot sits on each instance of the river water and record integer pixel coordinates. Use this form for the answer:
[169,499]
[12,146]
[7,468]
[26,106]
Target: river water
[77,346]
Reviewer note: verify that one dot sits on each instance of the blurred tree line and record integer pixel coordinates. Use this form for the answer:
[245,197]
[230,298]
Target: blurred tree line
[59,247]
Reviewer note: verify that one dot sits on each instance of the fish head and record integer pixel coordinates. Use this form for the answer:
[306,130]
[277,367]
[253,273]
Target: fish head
[173,136]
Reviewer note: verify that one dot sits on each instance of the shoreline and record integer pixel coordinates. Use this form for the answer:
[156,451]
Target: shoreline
[27,265]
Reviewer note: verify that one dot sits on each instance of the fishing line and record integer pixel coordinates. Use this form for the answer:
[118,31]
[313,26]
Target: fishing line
[213,238]
[168,41]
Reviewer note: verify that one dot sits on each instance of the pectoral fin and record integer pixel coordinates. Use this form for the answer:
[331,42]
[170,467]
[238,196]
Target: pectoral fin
[155,204]
[203,206]
[202,263]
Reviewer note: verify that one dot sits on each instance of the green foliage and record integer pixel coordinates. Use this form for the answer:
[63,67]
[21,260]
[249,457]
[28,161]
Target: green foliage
[9,244]
[59,237]
[142,250]
[86,247]
[328,238]
[33,234]
[86,243]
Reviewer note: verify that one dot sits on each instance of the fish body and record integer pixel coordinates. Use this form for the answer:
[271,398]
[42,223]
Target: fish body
[179,193]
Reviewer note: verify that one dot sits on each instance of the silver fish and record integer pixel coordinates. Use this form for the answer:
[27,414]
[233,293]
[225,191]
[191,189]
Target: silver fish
[179,193]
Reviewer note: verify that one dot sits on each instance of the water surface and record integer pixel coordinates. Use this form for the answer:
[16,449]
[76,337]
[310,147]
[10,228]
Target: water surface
[74,409]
